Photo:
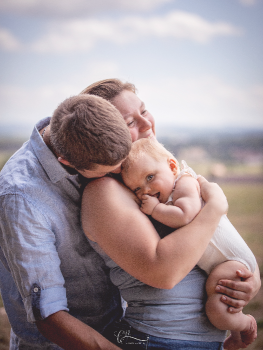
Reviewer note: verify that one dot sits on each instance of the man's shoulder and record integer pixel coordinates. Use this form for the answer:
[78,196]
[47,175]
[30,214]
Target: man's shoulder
[20,170]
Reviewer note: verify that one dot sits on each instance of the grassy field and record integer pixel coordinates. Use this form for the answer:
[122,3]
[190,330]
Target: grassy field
[246,213]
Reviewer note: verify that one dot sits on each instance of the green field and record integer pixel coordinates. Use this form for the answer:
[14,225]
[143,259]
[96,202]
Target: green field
[246,213]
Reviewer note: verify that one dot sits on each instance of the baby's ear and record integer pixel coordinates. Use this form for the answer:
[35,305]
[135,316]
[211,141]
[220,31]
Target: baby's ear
[173,165]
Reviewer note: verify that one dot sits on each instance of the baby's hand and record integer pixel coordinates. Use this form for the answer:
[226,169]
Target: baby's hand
[148,204]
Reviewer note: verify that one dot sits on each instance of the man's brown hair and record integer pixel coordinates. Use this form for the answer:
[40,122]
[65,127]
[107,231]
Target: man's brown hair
[87,130]
[108,88]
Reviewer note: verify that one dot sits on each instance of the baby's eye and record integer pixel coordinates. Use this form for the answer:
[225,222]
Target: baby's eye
[144,112]
[149,177]
[137,189]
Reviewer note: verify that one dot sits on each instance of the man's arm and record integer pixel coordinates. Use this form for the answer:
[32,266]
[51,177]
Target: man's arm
[69,333]
[30,250]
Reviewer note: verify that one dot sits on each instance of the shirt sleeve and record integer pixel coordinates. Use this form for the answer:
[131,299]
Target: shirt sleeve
[29,246]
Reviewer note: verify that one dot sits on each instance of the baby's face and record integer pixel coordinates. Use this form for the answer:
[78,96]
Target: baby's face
[152,177]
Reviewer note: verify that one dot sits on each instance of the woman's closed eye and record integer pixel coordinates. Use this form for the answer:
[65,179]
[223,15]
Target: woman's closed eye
[130,123]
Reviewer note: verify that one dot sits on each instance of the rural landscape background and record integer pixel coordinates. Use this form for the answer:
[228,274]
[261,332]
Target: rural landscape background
[232,158]
[195,64]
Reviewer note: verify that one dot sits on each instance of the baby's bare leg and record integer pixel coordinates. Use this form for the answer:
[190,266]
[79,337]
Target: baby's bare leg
[243,327]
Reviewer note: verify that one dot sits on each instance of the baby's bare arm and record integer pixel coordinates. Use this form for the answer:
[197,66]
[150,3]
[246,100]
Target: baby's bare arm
[186,204]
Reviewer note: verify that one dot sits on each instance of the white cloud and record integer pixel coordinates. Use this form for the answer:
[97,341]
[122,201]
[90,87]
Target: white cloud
[75,8]
[203,102]
[82,35]
[248,2]
[7,41]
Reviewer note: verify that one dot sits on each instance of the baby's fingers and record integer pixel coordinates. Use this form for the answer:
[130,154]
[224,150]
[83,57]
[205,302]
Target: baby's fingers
[145,196]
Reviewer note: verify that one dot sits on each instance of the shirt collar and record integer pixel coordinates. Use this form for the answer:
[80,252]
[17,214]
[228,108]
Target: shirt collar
[55,171]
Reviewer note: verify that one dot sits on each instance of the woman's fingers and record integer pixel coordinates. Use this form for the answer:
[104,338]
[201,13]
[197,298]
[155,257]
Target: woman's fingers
[244,274]
[236,294]
[212,193]
[201,179]
[234,306]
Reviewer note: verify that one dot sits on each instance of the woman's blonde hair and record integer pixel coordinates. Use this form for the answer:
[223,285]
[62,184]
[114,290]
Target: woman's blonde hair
[150,147]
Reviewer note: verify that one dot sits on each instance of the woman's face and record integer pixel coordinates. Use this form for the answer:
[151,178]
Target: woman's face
[138,119]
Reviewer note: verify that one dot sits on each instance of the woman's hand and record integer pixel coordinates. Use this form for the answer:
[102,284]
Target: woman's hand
[213,194]
[237,294]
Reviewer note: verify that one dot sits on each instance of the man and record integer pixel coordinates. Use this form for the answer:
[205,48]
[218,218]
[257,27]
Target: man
[53,284]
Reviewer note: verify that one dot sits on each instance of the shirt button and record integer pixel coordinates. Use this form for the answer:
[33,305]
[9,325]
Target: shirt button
[35,290]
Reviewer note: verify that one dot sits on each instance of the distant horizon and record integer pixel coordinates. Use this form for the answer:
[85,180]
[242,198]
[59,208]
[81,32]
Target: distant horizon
[24,131]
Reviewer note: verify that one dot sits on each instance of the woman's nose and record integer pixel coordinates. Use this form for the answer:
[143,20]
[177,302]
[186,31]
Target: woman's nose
[145,124]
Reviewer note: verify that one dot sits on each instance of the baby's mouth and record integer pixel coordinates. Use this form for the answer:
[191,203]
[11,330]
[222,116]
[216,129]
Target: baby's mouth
[156,195]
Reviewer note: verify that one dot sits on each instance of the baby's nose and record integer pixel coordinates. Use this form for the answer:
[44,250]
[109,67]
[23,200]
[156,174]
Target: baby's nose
[147,189]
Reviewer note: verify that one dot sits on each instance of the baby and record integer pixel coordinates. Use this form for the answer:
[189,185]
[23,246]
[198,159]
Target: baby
[172,197]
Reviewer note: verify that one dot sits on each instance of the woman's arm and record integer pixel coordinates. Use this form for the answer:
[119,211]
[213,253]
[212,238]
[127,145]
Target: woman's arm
[111,217]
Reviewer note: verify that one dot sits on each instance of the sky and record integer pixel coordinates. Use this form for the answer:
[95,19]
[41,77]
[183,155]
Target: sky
[195,63]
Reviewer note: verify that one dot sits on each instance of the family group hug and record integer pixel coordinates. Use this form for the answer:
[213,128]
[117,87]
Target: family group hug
[108,242]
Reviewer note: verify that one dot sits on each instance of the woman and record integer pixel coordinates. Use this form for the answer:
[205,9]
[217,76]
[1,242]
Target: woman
[111,217]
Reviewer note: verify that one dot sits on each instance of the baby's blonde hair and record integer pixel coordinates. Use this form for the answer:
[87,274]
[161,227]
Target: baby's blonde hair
[150,147]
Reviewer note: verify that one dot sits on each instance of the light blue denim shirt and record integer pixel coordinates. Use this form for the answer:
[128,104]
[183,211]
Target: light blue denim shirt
[46,262]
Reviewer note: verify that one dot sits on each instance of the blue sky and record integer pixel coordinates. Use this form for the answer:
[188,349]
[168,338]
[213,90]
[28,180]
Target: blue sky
[195,63]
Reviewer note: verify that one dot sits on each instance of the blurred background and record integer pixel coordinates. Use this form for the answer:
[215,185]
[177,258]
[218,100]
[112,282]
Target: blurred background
[197,65]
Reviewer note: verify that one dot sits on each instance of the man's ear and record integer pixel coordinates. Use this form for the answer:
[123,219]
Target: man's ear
[65,162]
[173,165]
